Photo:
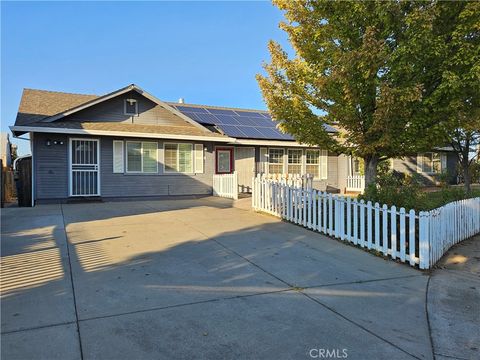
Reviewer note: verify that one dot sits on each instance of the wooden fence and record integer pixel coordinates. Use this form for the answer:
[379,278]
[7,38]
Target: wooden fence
[417,239]
[226,185]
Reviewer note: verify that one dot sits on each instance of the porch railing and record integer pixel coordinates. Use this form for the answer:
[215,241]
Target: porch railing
[355,183]
[295,180]
[226,185]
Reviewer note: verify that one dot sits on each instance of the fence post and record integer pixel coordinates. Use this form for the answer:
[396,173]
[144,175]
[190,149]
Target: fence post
[424,239]
[411,237]
[235,185]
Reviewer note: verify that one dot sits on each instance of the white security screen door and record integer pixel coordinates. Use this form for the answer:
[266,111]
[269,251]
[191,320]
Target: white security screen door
[84,167]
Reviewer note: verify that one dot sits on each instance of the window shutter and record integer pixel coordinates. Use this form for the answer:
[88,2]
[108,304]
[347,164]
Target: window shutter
[443,161]
[118,156]
[199,158]
[324,164]
[264,160]
[419,162]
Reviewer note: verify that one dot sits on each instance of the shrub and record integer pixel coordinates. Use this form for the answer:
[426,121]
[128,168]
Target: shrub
[395,189]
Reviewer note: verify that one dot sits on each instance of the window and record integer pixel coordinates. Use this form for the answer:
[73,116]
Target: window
[430,163]
[313,162]
[223,161]
[178,158]
[130,107]
[275,161]
[316,163]
[294,165]
[142,157]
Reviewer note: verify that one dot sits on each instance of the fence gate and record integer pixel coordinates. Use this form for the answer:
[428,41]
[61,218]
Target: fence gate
[84,167]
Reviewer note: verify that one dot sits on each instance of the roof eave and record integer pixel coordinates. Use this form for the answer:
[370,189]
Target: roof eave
[18,130]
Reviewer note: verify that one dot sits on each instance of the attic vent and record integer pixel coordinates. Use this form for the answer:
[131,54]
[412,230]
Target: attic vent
[130,107]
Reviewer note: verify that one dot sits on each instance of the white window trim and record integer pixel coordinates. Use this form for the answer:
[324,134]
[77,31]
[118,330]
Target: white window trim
[421,161]
[319,165]
[302,168]
[192,156]
[125,108]
[283,159]
[141,154]
[322,157]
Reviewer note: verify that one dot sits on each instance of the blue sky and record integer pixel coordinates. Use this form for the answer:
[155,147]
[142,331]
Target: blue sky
[205,52]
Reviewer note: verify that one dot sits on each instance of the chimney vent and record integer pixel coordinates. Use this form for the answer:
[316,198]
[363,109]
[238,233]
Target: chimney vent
[181,101]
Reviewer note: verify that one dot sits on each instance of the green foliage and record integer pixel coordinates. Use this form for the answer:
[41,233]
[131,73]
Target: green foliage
[475,171]
[407,192]
[353,66]
[392,189]
[395,77]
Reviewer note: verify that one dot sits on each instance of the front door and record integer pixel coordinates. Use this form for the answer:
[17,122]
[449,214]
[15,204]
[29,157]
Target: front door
[245,167]
[84,167]
[223,160]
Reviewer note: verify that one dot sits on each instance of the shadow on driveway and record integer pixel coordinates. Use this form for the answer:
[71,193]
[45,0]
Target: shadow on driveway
[197,278]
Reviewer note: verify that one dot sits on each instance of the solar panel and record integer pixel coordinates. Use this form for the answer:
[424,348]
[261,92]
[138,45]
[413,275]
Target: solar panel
[227,119]
[221,112]
[249,114]
[191,109]
[232,130]
[240,124]
[207,119]
[251,132]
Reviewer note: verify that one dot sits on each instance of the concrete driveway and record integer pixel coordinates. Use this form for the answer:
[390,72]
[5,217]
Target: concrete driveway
[197,279]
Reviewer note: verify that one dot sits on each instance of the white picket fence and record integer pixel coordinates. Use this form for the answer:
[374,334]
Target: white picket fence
[295,180]
[226,185]
[417,239]
[450,224]
[355,183]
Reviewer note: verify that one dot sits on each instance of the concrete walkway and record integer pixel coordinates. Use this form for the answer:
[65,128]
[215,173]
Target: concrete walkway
[454,302]
[197,279]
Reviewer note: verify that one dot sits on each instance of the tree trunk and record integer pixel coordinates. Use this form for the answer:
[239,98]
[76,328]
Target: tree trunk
[371,163]
[467,178]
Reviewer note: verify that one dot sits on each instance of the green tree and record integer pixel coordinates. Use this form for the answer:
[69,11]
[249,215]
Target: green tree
[394,77]
[349,70]
[452,79]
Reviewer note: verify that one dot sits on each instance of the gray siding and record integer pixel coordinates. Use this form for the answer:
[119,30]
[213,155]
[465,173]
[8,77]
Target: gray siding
[51,166]
[408,165]
[52,177]
[51,173]
[120,185]
[113,111]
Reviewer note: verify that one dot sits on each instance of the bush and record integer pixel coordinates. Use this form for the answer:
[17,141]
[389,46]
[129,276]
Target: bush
[406,191]
[395,189]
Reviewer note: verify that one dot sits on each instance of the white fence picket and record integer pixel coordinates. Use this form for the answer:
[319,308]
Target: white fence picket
[226,185]
[372,226]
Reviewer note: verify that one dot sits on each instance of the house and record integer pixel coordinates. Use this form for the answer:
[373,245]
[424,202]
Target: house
[128,143]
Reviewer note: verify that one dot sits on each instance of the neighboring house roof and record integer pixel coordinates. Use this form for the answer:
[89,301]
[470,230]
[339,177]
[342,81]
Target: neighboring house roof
[42,109]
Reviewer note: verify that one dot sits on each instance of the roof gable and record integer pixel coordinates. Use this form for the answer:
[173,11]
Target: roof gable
[114,94]
[37,105]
